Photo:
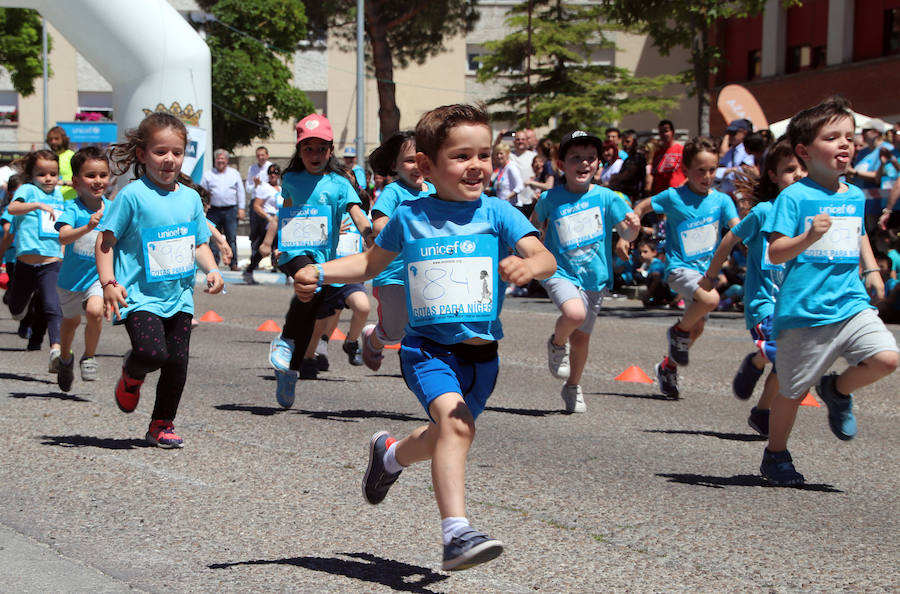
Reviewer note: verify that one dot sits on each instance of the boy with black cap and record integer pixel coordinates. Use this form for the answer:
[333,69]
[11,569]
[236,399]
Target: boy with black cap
[578,219]
[733,159]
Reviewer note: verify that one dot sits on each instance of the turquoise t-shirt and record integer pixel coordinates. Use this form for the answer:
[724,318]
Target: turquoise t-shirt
[579,233]
[451,251]
[762,278]
[79,266]
[311,225]
[35,233]
[157,234]
[10,255]
[694,225]
[822,285]
[394,194]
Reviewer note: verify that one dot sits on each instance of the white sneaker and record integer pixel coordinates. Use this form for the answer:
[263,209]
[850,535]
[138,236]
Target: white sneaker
[558,359]
[573,398]
[88,369]
[53,366]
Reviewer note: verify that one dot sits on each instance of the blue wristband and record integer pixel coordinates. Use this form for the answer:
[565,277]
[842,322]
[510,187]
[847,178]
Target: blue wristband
[321,274]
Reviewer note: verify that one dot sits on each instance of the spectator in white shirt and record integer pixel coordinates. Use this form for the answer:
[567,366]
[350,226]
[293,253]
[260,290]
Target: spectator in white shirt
[227,200]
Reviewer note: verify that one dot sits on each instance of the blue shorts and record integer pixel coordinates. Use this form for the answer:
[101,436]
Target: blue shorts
[334,298]
[762,337]
[431,369]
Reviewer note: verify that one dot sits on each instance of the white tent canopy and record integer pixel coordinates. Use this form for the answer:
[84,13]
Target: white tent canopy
[862,122]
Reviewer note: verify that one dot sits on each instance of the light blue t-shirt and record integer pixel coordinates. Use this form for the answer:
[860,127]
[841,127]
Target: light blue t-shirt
[694,225]
[35,233]
[79,266]
[311,225]
[10,255]
[157,233]
[394,194]
[359,174]
[579,233]
[762,278]
[822,285]
[451,251]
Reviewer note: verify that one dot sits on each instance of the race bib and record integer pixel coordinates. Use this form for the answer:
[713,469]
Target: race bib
[48,228]
[840,244]
[84,245]
[451,279]
[304,227]
[766,261]
[578,228]
[169,251]
[348,244]
[699,237]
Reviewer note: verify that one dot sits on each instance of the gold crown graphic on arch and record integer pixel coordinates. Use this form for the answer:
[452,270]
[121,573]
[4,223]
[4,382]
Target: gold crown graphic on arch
[187,115]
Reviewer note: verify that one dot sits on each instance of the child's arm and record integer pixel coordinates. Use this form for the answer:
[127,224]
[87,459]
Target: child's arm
[889,206]
[114,294]
[20,207]
[362,223]
[68,234]
[221,243]
[7,240]
[534,262]
[629,227]
[783,248]
[349,269]
[265,248]
[643,207]
[214,281]
[871,272]
[711,276]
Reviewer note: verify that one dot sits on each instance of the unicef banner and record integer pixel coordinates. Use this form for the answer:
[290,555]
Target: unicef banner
[90,132]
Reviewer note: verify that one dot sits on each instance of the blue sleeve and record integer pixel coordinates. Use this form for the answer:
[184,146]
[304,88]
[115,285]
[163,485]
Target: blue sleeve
[661,201]
[542,208]
[618,208]
[388,200]
[68,216]
[120,215]
[391,237]
[729,212]
[348,195]
[785,216]
[748,227]
[513,224]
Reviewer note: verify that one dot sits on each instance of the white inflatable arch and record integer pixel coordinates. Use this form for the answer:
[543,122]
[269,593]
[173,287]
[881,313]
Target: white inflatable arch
[143,48]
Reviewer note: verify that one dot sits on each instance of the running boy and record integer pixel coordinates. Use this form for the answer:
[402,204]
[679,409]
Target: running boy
[823,310]
[695,213]
[578,219]
[78,284]
[451,338]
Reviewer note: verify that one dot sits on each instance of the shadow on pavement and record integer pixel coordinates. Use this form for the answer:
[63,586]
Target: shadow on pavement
[80,441]
[24,378]
[353,415]
[739,480]
[717,434]
[525,412]
[393,574]
[57,395]
[263,411]
[655,396]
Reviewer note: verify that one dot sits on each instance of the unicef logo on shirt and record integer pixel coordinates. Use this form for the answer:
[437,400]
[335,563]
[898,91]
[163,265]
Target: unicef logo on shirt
[851,209]
[323,198]
[182,230]
[467,246]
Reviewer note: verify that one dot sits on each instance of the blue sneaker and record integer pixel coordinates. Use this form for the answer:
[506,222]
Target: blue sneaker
[284,391]
[746,377]
[280,352]
[778,469]
[469,549]
[840,409]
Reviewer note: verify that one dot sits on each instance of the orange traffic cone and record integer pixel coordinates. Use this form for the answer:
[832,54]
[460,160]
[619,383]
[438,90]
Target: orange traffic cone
[268,326]
[338,335]
[392,347]
[634,374]
[808,400]
[211,316]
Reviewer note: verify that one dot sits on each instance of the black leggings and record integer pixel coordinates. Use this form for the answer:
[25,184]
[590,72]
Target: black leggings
[160,343]
[37,282]
[300,320]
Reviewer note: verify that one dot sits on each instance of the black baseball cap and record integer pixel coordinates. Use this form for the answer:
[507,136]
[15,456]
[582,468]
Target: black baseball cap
[578,137]
[741,124]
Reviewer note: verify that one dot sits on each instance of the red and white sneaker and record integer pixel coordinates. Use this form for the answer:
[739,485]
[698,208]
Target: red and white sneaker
[162,434]
[128,392]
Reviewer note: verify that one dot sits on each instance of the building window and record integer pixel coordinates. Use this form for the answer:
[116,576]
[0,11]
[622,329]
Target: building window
[94,106]
[805,57]
[754,64]
[9,108]
[892,32]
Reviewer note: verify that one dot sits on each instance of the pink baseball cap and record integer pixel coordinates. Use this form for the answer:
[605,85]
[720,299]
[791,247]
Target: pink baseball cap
[314,126]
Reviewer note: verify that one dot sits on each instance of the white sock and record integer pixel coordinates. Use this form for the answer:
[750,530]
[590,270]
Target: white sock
[452,527]
[322,348]
[390,459]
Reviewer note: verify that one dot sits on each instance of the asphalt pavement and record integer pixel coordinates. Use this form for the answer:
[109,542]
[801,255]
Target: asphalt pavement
[639,494]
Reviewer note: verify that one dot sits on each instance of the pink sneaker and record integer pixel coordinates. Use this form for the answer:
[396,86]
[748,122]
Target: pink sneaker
[162,433]
[371,357]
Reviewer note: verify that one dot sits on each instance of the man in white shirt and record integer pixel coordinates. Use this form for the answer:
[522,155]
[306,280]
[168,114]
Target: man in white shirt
[227,200]
[522,156]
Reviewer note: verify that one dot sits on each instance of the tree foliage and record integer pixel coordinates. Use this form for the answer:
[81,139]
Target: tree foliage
[251,76]
[398,33]
[687,24]
[565,83]
[20,47]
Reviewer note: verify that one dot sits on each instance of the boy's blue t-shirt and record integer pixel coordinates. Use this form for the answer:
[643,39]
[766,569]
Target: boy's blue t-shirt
[451,251]
[79,266]
[822,285]
[579,233]
[157,234]
[894,255]
[311,225]
[694,225]
[10,255]
[35,231]
[762,278]
[394,194]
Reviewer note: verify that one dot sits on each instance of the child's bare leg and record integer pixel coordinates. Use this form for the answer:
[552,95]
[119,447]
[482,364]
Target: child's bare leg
[703,303]
[578,354]
[93,312]
[770,391]
[455,433]
[319,329]
[572,316]
[869,371]
[67,330]
[358,302]
[781,421]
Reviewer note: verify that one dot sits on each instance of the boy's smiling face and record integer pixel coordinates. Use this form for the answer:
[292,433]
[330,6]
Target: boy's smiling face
[580,164]
[463,164]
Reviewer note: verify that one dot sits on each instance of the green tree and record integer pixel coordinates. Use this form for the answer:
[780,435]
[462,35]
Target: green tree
[398,32]
[251,77]
[561,81]
[687,24]
[20,47]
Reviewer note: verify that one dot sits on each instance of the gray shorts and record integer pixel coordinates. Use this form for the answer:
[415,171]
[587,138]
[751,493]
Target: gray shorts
[72,303]
[805,354]
[685,282]
[561,290]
